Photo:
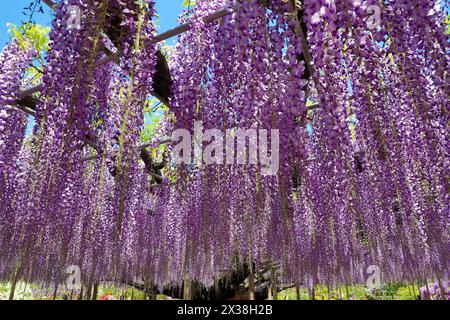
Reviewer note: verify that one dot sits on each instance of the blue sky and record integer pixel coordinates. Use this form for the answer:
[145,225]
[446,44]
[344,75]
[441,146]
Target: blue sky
[11,11]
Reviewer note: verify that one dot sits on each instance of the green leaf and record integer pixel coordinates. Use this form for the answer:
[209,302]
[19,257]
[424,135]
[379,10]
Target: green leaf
[34,34]
[447,22]
[187,3]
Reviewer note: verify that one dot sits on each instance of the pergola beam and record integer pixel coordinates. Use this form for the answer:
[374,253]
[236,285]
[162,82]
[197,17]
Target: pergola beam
[32,112]
[27,110]
[187,26]
[164,140]
[50,3]
[28,92]
[298,13]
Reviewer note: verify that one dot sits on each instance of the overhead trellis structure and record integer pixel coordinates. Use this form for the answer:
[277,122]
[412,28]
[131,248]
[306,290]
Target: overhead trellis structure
[362,116]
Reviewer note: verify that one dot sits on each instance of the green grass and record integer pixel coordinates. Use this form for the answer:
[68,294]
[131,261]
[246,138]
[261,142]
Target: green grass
[357,292]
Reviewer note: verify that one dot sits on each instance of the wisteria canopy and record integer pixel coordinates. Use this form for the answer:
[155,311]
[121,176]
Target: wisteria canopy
[363,119]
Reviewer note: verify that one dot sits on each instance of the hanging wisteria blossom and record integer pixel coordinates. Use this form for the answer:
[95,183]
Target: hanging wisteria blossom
[296,145]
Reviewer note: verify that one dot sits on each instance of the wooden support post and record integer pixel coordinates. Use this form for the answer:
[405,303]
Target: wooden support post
[414,290]
[89,292]
[346,291]
[95,291]
[152,295]
[55,292]
[273,290]
[297,292]
[270,291]
[312,291]
[13,285]
[187,289]
[441,287]
[251,285]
